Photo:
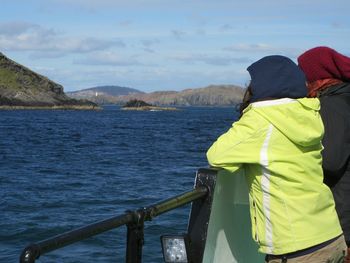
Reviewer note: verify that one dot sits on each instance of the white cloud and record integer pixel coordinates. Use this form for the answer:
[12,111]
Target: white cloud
[108,59]
[17,28]
[264,49]
[209,5]
[178,34]
[20,36]
[25,36]
[226,27]
[250,48]
[216,60]
[89,44]
[125,23]
[149,42]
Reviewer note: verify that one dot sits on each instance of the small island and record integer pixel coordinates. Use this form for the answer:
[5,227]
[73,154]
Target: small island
[141,105]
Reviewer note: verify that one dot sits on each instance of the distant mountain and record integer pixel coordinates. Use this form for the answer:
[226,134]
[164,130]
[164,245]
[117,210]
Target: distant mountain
[103,94]
[105,90]
[21,87]
[214,95]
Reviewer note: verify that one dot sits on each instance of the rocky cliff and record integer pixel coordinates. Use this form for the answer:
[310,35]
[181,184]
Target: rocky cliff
[20,88]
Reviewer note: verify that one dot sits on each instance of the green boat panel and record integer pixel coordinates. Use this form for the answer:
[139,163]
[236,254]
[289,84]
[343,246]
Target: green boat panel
[229,237]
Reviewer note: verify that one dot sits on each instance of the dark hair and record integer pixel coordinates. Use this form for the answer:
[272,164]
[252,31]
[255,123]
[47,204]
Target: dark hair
[246,100]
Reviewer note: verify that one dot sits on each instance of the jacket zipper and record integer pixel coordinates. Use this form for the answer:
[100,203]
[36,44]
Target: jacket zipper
[256,236]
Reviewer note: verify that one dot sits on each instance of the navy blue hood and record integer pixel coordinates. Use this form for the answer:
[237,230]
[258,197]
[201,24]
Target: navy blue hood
[276,77]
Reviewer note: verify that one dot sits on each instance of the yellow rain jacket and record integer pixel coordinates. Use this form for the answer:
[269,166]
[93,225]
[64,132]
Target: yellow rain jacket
[278,144]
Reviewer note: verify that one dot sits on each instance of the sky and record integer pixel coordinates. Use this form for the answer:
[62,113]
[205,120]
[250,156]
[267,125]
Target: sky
[154,45]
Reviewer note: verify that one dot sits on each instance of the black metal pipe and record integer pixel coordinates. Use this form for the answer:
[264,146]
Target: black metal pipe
[175,202]
[34,251]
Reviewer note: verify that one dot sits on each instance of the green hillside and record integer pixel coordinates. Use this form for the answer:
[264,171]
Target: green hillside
[21,87]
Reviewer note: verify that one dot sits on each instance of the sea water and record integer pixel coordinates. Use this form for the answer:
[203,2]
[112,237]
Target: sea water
[61,170]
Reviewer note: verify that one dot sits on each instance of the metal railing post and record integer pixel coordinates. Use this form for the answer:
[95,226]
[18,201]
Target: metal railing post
[135,237]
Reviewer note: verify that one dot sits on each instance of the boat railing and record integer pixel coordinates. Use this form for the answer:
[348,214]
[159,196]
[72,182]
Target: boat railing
[200,197]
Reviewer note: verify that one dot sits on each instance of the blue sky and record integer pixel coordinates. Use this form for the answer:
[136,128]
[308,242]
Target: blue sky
[155,45]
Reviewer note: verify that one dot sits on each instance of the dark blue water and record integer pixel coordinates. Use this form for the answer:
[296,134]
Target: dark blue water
[60,170]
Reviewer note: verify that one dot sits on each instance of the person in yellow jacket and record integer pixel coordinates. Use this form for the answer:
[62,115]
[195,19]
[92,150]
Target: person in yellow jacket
[277,141]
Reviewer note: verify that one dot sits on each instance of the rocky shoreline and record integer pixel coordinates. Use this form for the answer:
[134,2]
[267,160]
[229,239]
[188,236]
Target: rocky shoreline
[58,107]
[141,105]
[150,108]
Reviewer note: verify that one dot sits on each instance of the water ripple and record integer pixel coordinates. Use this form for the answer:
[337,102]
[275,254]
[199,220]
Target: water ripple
[63,169]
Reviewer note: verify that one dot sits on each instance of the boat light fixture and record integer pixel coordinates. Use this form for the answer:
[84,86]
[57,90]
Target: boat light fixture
[174,248]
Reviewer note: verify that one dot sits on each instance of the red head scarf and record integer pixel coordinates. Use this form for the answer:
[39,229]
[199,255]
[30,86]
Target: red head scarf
[324,63]
[323,67]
